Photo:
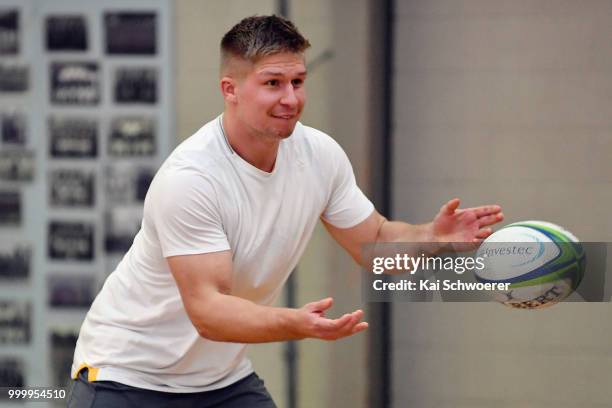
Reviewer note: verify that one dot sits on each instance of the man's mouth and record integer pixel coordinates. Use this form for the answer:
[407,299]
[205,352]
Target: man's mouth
[286,117]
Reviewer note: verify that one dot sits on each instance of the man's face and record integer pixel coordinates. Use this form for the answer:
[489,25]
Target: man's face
[270,94]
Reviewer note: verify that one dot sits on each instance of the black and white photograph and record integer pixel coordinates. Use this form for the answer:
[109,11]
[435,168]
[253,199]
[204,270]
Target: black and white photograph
[70,240]
[9,32]
[16,165]
[131,33]
[15,322]
[72,188]
[121,226]
[132,136]
[12,128]
[119,183]
[71,291]
[66,33]
[15,261]
[125,183]
[136,85]
[63,342]
[143,179]
[12,374]
[14,77]
[75,83]
[73,138]
[10,208]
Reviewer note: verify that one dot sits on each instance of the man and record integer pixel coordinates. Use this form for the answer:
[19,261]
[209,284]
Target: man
[226,219]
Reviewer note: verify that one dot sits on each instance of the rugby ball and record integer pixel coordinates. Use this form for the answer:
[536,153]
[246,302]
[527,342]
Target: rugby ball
[543,263]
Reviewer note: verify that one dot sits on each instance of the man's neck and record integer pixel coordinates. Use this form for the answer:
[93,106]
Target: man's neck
[258,150]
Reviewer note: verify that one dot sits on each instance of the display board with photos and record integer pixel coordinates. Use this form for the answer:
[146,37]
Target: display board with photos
[85,120]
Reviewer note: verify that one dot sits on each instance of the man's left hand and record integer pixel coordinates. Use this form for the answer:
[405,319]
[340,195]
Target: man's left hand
[468,226]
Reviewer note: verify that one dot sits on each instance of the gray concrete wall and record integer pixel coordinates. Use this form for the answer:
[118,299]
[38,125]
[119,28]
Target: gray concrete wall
[505,102]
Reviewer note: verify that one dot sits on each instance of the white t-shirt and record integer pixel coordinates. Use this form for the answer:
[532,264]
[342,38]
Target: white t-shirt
[206,198]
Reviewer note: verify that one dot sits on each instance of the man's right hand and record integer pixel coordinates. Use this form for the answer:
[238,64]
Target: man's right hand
[315,325]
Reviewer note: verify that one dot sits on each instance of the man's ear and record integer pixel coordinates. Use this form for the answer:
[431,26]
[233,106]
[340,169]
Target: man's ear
[228,89]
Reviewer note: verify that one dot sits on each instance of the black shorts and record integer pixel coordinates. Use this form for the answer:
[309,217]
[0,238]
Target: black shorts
[248,392]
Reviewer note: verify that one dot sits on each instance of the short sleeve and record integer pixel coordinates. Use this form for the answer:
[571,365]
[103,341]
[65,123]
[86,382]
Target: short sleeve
[347,205]
[186,215]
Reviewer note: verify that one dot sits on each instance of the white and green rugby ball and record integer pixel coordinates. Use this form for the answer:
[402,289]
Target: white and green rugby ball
[543,263]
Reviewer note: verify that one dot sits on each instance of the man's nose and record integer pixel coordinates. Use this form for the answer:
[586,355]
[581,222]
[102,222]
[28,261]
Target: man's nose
[289,97]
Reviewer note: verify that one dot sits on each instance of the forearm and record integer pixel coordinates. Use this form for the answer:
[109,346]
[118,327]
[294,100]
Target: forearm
[229,318]
[204,282]
[401,232]
[398,231]
[449,227]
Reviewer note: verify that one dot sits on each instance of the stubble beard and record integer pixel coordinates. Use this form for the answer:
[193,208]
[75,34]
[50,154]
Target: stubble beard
[277,134]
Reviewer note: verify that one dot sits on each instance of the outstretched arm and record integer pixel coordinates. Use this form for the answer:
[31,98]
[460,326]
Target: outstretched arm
[204,282]
[466,227]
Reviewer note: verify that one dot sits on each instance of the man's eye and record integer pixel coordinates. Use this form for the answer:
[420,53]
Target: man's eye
[272,82]
[297,82]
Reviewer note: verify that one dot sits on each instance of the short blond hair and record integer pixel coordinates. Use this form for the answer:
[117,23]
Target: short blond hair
[259,36]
